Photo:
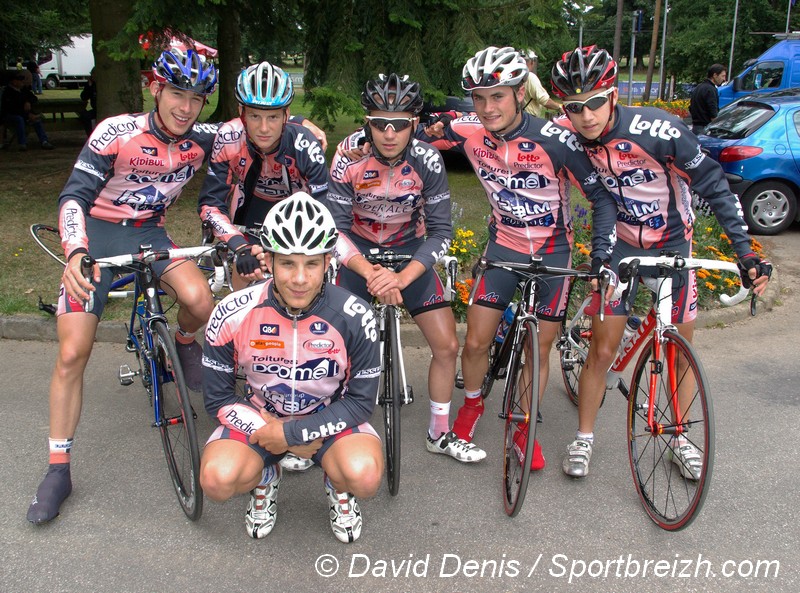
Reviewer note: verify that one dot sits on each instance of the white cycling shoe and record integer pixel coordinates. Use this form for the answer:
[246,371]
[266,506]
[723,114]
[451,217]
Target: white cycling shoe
[345,514]
[450,444]
[293,463]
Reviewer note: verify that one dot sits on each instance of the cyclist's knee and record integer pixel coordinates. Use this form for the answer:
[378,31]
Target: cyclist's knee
[362,475]
[73,355]
[219,480]
[446,350]
[197,298]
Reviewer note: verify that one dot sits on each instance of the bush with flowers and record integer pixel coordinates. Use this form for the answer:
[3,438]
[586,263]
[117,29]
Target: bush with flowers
[679,107]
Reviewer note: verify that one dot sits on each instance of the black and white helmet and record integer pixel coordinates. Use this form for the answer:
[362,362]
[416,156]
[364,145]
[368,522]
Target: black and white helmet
[492,67]
[299,225]
[392,93]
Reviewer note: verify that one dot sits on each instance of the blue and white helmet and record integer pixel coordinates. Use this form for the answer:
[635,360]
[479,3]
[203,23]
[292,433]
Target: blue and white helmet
[264,86]
[185,71]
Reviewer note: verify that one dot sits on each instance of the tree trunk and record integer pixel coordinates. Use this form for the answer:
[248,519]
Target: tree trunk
[651,63]
[618,31]
[229,44]
[119,86]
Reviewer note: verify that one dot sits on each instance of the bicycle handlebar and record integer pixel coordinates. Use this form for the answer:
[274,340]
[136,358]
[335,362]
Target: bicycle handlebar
[629,267]
[391,259]
[531,269]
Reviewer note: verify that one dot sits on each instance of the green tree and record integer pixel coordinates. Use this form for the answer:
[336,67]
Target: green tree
[24,31]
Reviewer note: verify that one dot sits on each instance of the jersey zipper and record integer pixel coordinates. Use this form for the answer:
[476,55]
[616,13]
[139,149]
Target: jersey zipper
[385,203]
[294,364]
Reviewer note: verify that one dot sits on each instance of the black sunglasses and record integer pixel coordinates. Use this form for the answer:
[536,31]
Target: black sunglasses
[592,104]
[398,123]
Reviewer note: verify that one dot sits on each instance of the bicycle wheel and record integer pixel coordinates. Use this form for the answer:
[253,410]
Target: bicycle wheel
[175,419]
[49,239]
[520,407]
[391,400]
[671,500]
[574,347]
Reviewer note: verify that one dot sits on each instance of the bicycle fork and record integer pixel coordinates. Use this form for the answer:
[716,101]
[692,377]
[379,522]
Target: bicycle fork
[392,315]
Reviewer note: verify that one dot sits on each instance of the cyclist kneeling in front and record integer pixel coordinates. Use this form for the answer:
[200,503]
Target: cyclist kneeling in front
[650,162]
[310,356]
[397,198]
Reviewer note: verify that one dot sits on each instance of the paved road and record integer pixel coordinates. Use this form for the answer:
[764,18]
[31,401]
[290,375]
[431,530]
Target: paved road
[122,530]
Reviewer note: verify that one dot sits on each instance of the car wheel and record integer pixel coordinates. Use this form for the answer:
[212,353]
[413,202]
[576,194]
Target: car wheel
[769,207]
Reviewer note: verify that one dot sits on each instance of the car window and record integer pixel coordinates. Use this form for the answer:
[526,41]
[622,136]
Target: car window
[764,76]
[741,121]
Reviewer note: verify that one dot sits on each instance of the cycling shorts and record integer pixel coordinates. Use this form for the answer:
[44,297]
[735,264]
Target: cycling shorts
[497,287]
[226,433]
[684,283]
[107,239]
[426,293]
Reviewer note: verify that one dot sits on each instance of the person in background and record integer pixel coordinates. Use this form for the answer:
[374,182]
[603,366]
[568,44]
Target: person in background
[36,76]
[704,101]
[16,110]
[536,98]
[89,96]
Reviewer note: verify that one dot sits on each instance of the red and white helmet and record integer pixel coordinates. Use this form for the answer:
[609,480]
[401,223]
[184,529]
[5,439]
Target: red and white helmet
[582,70]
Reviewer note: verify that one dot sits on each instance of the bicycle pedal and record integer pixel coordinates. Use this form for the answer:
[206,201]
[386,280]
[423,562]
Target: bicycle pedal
[409,395]
[501,374]
[459,380]
[126,375]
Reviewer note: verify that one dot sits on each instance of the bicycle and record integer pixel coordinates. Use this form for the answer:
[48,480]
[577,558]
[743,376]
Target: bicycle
[669,402]
[516,359]
[394,391]
[159,367]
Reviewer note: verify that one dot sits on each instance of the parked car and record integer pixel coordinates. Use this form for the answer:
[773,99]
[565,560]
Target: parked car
[451,104]
[757,142]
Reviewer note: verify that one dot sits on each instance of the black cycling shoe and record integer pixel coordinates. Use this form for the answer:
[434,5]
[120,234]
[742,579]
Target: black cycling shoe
[191,357]
[54,489]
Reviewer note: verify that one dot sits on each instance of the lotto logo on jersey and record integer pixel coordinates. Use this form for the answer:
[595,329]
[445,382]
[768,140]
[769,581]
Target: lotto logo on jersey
[658,128]
[312,147]
[353,308]
[150,150]
[489,143]
[189,156]
[318,328]
[624,147]
[370,174]
[526,147]
[270,329]
[184,146]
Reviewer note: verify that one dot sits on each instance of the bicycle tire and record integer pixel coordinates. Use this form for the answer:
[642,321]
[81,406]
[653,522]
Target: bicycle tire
[669,499]
[49,239]
[391,400]
[520,408]
[573,352]
[175,419]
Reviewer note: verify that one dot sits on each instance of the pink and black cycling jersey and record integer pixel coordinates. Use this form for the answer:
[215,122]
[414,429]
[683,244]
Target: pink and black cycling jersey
[321,368]
[129,173]
[648,160]
[392,205]
[298,164]
[527,175]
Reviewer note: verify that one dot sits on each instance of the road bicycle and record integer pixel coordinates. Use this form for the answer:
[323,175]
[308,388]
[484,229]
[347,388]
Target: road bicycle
[669,402]
[159,367]
[394,390]
[516,359]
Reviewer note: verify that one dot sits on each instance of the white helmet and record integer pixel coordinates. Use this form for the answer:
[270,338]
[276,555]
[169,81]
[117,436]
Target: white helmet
[299,225]
[494,67]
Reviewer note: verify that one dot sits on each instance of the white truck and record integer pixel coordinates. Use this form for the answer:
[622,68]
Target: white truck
[69,64]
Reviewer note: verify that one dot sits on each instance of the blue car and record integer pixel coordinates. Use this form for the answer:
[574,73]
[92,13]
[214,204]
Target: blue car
[757,142]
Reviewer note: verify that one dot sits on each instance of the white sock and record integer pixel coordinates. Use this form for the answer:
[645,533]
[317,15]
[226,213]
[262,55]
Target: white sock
[268,474]
[439,422]
[585,436]
[472,394]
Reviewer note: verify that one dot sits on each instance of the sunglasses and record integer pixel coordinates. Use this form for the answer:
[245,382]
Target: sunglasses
[398,124]
[592,104]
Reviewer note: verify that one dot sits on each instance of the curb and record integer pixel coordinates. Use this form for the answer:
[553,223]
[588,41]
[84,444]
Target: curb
[33,327]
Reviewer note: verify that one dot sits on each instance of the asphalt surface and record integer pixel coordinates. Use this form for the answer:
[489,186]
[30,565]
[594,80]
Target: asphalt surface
[122,529]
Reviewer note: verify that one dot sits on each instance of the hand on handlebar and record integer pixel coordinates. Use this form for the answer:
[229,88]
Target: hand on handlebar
[602,268]
[76,285]
[383,280]
[249,260]
[755,273]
